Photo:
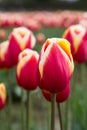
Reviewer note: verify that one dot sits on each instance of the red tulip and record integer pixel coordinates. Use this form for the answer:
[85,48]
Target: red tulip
[77,36]
[27,69]
[2,96]
[4,58]
[60,97]
[20,39]
[55,65]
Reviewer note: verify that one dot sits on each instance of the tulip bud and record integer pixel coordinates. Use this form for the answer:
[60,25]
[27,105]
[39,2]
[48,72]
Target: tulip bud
[27,69]
[60,97]
[77,36]
[40,38]
[4,59]
[55,65]
[2,34]
[20,39]
[2,96]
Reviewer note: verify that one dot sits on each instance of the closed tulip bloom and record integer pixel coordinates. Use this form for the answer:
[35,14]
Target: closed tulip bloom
[55,65]
[40,38]
[60,97]
[4,58]
[2,96]
[27,69]
[20,39]
[77,36]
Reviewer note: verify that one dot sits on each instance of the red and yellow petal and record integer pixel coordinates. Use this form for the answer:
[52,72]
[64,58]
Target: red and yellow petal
[2,95]
[4,57]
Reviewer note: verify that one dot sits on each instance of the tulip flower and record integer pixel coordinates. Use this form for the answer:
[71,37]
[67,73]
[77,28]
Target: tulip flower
[27,69]
[55,65]
[77,36]
[40,38]
[2,96]
[4,58]
[20,39]
[60,97]
[2,34]
[26,74]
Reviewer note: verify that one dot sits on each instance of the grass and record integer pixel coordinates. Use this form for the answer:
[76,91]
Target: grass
[39,106]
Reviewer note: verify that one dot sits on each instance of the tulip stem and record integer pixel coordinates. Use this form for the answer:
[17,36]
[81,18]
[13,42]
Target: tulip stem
[66,115]
[27,110]
[22,110]
[53,112]
[9,101]
[60,116]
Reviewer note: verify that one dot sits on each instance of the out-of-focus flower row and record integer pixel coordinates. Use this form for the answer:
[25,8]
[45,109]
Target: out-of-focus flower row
[35,20]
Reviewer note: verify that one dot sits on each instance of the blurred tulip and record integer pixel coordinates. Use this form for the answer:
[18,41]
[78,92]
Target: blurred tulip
[60,97]
[2,34]
[20,39]
[27,69]
[2,96]
[55,65]
[4,58]
[40,38]
[77,36]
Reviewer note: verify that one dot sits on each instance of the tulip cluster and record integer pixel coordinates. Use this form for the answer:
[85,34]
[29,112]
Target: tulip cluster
[2,96]
[77,36]
[35,20]
[19,39]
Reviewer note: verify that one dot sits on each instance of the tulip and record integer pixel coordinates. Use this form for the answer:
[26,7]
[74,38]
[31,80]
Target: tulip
[27,69]
[60,97]
[26,75]
[55,65]
[2,96]
[20,39]
[77,36]
[2,34]
[4,58]
[40,38]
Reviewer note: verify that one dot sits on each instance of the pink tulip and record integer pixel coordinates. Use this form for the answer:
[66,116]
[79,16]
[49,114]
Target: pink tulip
[20,39]
[40,38]
[77,36]
[2,34]
[27,69]
[55,65]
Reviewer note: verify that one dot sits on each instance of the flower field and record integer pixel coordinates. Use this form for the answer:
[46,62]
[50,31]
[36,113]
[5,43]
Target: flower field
[43,25]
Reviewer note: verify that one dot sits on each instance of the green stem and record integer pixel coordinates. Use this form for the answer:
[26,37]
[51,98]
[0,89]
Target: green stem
[60,116]
[22,110]
[27,110]
[66,115]
[9,101]
[53,112]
